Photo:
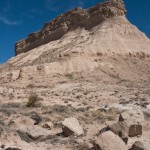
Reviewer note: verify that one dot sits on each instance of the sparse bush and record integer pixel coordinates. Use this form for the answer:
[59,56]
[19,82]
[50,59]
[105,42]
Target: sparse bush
[33,100]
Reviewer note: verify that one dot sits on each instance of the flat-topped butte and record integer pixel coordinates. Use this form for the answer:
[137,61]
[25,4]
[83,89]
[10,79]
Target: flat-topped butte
[71,20]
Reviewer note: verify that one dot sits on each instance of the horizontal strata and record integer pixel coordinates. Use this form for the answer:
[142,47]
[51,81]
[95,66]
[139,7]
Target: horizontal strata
[71,20]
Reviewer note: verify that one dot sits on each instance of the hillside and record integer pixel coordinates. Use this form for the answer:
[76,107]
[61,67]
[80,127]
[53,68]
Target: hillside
[89,64]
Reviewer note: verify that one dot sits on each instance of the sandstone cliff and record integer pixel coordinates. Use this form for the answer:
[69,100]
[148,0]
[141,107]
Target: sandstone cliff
[69,21]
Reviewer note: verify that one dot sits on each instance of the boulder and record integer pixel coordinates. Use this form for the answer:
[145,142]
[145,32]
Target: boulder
[121,130]
[135,116]
[133,120]
[109,141]
[135,130]
[141,145]
[34,132]
[21,122]
[71,126]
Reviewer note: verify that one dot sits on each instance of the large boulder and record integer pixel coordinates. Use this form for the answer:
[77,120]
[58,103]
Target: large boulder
[141,145]
[71,126]
[121,130]
[21,122]
[135,116]
[117,128]
[133,119]
[109,141]
[34,132]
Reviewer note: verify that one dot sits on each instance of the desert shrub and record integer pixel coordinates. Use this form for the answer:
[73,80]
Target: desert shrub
[33,100]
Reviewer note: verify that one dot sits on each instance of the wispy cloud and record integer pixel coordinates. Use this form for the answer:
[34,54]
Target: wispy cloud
[56,5]
[32,13]
[7,21]
[81,4]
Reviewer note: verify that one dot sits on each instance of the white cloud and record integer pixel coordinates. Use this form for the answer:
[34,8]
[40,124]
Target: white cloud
[8,22]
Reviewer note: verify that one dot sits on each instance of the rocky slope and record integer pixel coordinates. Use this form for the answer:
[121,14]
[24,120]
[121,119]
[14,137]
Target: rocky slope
[97,73]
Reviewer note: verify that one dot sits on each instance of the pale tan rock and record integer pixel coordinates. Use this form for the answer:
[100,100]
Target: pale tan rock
[133,119]
[109,141]
[120,129]
[21,121]
[35,132]
[141,145]
[71,126]
[135,116]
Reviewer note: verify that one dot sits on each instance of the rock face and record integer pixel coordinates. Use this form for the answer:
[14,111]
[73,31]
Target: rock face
[121,130]
[69,21]
[135,116]
[72,126]
[109,141]
[141,145]
[133,119]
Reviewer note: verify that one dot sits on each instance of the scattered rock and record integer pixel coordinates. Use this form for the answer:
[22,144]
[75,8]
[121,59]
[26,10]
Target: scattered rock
[121,130]
[133,119]
[48,125]
[140,145]
[34,132]
[71,126]
[21,122]
[134,116]
[109,141]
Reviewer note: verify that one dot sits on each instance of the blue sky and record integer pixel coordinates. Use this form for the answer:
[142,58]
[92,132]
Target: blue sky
[18,18]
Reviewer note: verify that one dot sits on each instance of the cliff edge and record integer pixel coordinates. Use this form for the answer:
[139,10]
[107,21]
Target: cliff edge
[71,20]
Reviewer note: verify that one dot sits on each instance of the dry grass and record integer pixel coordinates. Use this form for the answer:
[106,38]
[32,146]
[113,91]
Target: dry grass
[100,115]
[33,100]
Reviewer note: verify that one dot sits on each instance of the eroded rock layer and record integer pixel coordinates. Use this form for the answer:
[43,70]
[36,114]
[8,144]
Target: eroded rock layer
[71,20]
